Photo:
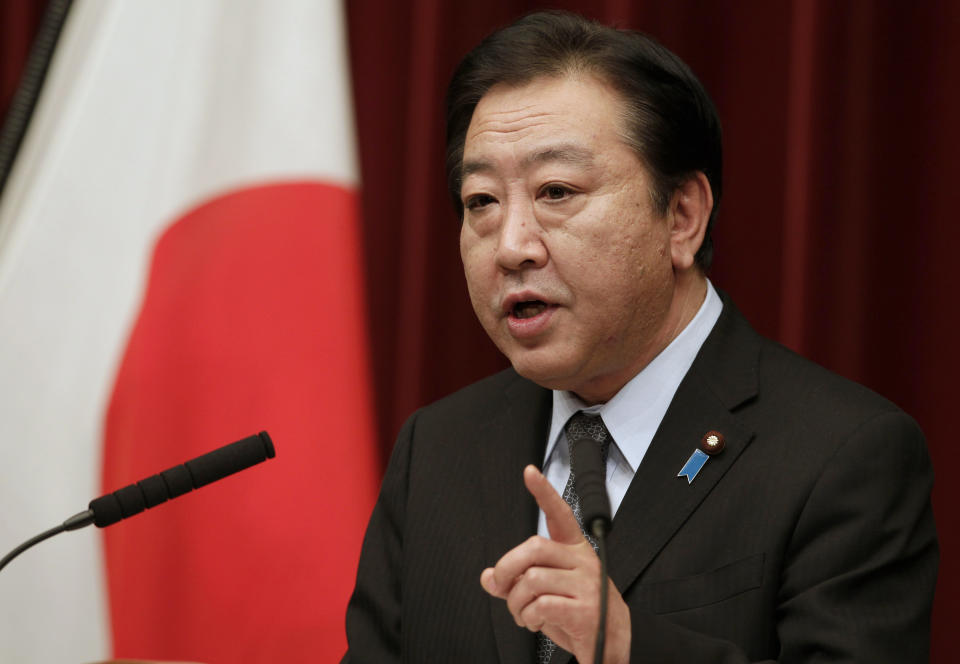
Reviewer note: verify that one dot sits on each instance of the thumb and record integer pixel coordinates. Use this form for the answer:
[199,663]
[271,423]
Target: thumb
[561,523]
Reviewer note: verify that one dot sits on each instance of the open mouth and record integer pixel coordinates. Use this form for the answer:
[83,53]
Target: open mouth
[528,309]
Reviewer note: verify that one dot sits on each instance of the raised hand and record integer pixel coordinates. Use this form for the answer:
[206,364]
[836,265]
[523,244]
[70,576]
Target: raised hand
[553,585]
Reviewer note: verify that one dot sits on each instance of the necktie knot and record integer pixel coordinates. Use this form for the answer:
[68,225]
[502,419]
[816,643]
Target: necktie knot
[584,425]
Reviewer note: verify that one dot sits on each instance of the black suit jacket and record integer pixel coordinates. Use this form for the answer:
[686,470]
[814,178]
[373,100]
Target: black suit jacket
[809,538]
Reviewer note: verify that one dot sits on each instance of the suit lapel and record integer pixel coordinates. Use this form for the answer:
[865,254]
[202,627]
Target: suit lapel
[656,505]
[515,436]
[658,502]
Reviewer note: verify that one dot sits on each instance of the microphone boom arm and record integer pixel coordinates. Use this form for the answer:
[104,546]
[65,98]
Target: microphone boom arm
[133,499]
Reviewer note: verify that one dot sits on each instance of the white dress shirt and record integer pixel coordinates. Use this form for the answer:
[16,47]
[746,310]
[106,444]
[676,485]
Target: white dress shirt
[634,413]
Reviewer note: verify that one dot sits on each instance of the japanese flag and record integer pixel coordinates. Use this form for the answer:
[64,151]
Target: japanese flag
[180,267]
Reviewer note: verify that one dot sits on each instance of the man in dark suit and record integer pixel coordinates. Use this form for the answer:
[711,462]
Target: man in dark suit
[765,509]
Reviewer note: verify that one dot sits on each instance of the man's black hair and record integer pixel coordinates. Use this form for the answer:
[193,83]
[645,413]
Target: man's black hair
[670,119]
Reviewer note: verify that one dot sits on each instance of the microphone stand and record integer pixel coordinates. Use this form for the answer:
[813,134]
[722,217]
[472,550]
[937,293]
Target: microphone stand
[591,486]
[77,521]
[598,529]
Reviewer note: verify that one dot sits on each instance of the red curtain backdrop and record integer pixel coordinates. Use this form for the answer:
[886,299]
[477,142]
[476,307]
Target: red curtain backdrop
[19,21]
[835,236]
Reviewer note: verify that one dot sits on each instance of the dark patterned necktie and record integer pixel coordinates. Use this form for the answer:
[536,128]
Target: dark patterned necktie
[580,425]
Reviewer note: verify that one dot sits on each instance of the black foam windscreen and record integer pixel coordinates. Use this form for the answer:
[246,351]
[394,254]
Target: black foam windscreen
[590,482]
[181,479]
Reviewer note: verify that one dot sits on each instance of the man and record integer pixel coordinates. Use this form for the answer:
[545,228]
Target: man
[586,164]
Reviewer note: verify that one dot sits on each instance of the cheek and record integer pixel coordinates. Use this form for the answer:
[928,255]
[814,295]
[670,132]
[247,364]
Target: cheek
[475,261]
[628,272]
[616,231]
[647,244]
[465,242]
[479,271]
[469,254]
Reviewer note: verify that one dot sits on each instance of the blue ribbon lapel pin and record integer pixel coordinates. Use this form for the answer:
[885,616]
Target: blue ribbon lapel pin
[712,443]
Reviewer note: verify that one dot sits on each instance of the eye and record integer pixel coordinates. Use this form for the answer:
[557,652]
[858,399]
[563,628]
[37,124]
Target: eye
[555,192]
[478,201]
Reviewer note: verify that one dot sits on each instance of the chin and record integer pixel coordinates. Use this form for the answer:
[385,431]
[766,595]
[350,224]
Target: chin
[551,375]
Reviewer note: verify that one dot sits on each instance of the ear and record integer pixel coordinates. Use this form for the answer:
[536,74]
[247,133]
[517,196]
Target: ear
[690,208]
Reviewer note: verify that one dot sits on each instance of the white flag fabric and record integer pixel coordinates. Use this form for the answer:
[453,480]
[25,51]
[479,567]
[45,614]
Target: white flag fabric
[180,267]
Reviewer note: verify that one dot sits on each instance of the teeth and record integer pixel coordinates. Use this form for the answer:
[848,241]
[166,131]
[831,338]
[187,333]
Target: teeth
[529,309]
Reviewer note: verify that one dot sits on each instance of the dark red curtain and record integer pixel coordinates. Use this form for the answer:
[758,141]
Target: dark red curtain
[836,233]
[19,21]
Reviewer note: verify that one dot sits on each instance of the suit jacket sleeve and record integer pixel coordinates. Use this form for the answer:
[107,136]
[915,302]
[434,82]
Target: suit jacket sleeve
[373,615]
[857,581]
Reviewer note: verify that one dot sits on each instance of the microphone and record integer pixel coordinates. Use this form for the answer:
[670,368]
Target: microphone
[150,492]
[176,481]
[589,479]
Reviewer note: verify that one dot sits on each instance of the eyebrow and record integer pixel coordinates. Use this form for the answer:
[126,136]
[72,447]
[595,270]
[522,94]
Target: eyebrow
[567,153]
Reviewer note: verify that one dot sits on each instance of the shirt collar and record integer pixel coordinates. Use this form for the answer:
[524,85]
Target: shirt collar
[634,413]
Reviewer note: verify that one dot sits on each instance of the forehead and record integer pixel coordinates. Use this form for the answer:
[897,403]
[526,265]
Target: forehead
[570,110]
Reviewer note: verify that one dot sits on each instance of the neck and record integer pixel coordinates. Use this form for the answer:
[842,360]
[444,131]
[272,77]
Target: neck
[689,294]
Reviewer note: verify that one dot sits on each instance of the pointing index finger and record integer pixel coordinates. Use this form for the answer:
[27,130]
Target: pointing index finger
[561,523]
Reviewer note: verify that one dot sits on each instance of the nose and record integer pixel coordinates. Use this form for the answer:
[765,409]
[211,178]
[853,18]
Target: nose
[521,243]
